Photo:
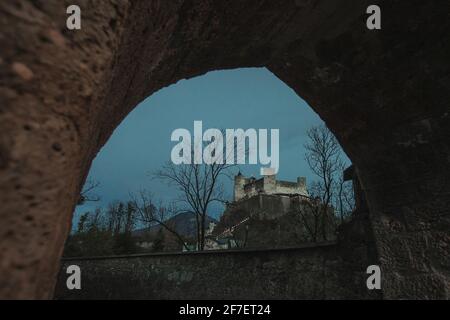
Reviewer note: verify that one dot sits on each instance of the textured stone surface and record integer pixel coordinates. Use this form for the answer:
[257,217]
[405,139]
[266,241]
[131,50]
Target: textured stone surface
[385,94]
[304,273]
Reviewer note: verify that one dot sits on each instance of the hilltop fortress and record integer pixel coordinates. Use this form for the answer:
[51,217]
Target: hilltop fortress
[245,188]
[265,213]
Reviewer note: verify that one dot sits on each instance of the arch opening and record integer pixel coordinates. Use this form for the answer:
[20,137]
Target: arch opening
[241,99]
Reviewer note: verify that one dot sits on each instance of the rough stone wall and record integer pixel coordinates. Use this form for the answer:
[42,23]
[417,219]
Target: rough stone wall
[384,94]
[52,88]
[394,124]
[302,273]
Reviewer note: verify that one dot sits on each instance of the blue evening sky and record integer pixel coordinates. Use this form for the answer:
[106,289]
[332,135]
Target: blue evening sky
[241,98]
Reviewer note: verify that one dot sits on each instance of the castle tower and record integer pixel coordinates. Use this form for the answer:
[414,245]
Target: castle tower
[270,183]
[301,183]
[239,182]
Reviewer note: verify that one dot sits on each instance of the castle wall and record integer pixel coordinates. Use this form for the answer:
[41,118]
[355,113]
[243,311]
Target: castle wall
[249,187]
[289,188]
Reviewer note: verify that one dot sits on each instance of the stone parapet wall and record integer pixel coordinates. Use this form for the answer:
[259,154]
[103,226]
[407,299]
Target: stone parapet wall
[307,272]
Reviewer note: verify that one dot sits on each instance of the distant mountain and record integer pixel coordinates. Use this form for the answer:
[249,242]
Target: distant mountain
[184,224]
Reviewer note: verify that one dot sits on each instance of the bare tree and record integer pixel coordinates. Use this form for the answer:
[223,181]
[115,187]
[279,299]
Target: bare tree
[199,185]
[310,213]
[116,217]
[151,213]
[86,194]
[329,193]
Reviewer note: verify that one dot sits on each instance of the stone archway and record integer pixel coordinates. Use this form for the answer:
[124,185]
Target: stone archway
[384,94]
